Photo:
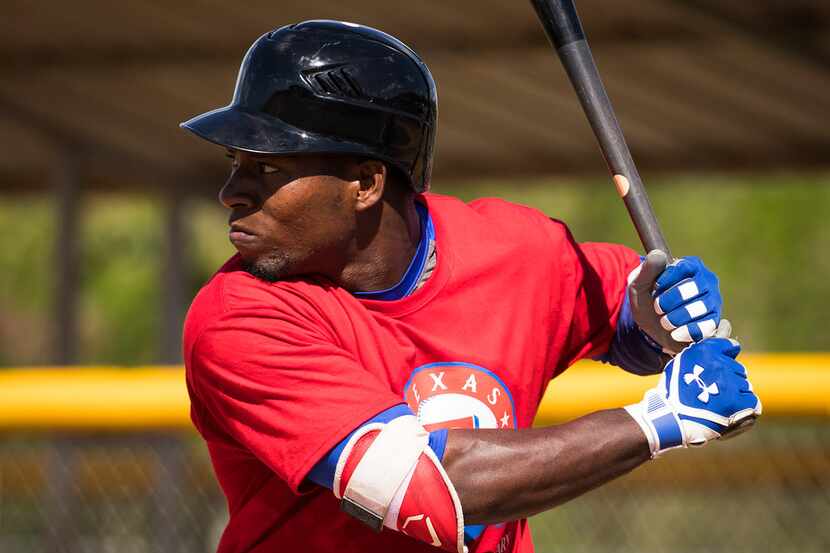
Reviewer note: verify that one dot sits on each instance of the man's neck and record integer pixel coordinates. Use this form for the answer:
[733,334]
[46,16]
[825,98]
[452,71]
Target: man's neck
[384,248]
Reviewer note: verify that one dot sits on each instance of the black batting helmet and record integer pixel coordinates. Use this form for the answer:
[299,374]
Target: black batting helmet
[330,87]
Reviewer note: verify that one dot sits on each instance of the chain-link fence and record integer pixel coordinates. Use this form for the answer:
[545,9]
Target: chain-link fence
[768,490]
[110,493]
[764,491]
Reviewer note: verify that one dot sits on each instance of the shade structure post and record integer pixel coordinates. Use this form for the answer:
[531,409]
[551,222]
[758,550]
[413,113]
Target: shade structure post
[173,276]
[67,189]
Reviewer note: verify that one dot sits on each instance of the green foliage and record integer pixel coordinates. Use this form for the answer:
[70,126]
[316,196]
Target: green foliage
[120,274]
[27,226]
[765,237]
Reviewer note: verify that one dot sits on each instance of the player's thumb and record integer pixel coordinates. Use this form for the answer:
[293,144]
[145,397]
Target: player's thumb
[724,329]
[653,266]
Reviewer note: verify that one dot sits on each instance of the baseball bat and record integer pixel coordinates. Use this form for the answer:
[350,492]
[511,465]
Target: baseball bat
[564,30]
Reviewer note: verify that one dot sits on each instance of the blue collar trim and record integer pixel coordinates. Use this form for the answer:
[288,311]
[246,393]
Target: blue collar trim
[410,278]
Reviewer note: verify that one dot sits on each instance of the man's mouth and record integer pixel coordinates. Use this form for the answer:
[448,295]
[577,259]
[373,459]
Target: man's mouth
[241,236]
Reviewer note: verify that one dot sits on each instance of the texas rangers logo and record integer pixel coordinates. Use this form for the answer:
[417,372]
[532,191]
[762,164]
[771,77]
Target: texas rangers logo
[459,395]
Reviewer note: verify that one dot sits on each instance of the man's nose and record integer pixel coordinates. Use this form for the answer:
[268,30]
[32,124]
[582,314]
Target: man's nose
[238,191]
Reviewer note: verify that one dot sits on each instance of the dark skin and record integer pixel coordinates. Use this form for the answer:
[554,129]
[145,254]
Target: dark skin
[320,215]
[349,222]
[503,475]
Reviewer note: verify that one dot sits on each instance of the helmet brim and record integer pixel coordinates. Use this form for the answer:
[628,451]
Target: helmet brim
[236,128]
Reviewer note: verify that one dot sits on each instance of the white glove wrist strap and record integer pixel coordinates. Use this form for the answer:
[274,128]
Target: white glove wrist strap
[659,423]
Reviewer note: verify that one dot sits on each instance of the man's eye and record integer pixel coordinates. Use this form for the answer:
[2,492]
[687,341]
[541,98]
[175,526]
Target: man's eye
[268,169]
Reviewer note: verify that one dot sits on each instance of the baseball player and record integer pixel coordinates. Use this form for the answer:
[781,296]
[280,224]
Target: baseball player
[366,369]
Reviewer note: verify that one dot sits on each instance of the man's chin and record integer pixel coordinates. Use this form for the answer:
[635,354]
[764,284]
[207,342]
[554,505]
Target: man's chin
[269,268]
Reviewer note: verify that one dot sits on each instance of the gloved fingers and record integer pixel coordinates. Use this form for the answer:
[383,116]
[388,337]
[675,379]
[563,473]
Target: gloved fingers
[683,268]
[694,331]
[735,377]
[703,329]
[739,371]
[643,278]
[707,306]
[746,387]
[747,403]
[684,292]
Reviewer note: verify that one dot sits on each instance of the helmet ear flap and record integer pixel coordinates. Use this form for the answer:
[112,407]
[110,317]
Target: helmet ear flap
[331,87]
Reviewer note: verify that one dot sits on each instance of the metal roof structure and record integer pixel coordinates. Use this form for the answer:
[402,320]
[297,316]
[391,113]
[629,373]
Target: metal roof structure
[696,84]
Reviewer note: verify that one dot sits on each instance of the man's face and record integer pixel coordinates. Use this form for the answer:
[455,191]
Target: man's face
[290,215]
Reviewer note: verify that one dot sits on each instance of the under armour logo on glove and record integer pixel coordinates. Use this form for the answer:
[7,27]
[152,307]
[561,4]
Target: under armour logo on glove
[686,410]
[705,390]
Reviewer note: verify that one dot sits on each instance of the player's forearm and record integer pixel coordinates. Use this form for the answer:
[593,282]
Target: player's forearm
[505,475]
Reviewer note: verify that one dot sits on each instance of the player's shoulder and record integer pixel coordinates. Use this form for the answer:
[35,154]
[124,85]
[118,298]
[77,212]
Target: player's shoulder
[502,218]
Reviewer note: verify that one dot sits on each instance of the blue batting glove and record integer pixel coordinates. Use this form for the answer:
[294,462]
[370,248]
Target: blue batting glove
[703,395]
[688,298]
[674,304]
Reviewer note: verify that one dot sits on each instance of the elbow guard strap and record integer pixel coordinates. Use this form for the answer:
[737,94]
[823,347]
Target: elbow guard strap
[388,476]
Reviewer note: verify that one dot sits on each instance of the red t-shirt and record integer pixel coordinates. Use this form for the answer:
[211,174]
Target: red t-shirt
[279,373]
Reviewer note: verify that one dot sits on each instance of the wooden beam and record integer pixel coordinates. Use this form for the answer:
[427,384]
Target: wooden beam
[67,187]
[173,277]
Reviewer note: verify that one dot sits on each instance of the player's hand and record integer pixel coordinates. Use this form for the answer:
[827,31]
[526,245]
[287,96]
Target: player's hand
[703,395]
[675,304]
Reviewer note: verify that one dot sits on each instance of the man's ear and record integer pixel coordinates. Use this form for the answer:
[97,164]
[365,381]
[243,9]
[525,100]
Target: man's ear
[372,176]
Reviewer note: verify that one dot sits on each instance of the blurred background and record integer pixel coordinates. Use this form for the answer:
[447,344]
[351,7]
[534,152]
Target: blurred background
[109,225]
